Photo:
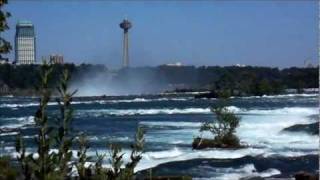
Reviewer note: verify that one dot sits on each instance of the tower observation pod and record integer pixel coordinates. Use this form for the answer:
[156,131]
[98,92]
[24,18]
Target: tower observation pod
[125,25]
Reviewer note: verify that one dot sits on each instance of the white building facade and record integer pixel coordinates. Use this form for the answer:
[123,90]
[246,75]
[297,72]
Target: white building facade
[25,43]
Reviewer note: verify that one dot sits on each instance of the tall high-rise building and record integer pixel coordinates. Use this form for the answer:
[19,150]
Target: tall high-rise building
[25,43]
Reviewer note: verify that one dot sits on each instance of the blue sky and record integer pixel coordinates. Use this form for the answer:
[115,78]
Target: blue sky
[265,33]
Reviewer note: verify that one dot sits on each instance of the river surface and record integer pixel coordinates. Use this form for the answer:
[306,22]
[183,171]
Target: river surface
[171,122]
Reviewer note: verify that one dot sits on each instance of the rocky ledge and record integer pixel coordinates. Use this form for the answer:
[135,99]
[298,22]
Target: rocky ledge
[302,175]
[202,143]
[312,128]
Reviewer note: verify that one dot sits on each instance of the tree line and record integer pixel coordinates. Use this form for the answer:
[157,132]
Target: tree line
[236,80]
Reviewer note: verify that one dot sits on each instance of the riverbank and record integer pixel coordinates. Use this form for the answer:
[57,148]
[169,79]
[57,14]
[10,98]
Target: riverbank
[192,94]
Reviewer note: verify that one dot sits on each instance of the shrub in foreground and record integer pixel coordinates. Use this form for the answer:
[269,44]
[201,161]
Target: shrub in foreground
[59,163]
[6,170]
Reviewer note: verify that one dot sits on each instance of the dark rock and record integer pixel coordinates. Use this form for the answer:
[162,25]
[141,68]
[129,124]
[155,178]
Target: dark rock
[169,178]
[306,176]
[312,128]
[209,95]
[202,143]
[288,166]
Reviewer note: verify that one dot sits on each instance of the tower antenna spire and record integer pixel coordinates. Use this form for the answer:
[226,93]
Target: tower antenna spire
[125,25]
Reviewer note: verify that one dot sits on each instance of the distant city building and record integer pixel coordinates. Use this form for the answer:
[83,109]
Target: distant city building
[4,60]
[56,59]
[4,88]
[240,65]
[177,64]
[308,64]
[25,43]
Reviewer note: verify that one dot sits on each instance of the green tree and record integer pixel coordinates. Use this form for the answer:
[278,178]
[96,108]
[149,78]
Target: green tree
[222,128]
[264,88]
[44,165]
[5,46]
[64,138]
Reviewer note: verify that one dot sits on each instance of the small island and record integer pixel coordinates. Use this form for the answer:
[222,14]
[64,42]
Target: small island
[223,131]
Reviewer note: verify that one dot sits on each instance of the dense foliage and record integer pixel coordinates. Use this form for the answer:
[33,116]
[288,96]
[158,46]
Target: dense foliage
[235,80]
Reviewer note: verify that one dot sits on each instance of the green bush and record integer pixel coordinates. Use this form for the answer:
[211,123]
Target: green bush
[223,129]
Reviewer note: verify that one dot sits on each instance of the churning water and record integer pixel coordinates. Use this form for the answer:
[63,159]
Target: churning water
[171,123]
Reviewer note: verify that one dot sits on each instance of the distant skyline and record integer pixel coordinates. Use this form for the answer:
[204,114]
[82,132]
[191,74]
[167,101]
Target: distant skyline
[259,33]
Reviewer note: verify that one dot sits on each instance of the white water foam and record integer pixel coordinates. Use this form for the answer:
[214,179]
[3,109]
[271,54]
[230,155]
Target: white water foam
[11,105]
[278,96]
[129,112]
[191,93]
[169,124]
[148,100]
[164,154]
[31,104]
[108,138]
[18,105]
[245,171]
[9,134]
[290,95]
[279,111]
[13,123]
[263,134]
[152,159]
[266,131]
